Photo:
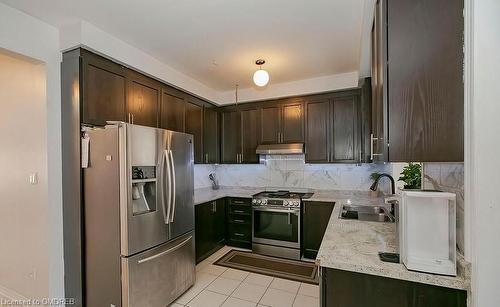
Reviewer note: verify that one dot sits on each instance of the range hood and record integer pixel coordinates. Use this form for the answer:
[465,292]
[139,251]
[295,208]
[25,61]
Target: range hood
[281,149]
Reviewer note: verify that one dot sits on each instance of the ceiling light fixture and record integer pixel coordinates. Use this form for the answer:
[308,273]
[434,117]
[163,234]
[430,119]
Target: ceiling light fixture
[260,77]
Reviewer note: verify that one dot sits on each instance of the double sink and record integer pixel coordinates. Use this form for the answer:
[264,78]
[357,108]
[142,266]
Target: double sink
[366,213]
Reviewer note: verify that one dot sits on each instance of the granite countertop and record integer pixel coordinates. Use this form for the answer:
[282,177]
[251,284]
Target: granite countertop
[353,245]
[204,195]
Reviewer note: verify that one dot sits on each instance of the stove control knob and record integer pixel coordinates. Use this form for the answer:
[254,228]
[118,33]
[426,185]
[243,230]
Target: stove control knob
[296,203]
[285,203]
[264,201]
[258,201]
[254,201]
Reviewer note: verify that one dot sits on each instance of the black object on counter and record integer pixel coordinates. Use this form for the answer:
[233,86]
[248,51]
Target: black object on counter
[389,257]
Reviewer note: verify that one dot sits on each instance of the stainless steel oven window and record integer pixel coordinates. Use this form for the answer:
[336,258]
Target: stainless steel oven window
[279,227]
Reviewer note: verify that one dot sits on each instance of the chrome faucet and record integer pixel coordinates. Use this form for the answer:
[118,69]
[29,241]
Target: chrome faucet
[375,183]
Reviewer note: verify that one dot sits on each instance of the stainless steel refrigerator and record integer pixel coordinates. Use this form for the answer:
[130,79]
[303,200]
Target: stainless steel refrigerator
[138,216]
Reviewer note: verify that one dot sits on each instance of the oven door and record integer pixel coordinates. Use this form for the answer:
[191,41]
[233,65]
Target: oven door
[276,226]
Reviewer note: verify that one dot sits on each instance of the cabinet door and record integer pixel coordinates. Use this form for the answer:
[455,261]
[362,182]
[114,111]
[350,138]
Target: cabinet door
[194,126]
[317,131]
[103,91]
[292,123]
[271,122]
[220,222]
[143,100]
[315,217]
[379,82]
[250,135]
[432,296]
[172,111]
[346,128]
[203,231]
[210,135]
[425,71]
[230,136]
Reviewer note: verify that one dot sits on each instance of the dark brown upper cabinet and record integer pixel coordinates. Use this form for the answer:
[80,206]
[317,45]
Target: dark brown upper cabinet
[333,128]
[282,122]
[103,90]
[346,124]
[421,93]
[172,110]
[230,136]
[292,127]
[143,100]
[317,130]
[194,126]
[271,123]
[250,135]
[210,135]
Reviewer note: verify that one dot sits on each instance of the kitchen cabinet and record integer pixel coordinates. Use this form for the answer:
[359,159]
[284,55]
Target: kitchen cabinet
[271,122]
[239,222]
[103,95]
[240,135]
[344,288]
[334,128]
[210,135]
[230,136]
[172,110]
[282,122]
[346,125]
[143,100]
[194,126]
[315,218]
[317,130]
[250,135]
[418,105]
[209,228]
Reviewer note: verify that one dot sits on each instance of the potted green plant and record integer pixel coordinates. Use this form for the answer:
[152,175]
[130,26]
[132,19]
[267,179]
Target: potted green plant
[412,176]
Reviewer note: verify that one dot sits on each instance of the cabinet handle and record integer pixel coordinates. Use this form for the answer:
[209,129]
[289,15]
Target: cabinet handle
[129,118]
[373,139]
[238,211]
[279,138]
[239,234]
[206,158]
[241,157]
[214,207]
[239,221]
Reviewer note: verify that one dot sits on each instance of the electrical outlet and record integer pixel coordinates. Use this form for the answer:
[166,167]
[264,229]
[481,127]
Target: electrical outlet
[32,274]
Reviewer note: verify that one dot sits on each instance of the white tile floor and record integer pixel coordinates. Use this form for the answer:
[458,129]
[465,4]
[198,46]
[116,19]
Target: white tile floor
[220,286]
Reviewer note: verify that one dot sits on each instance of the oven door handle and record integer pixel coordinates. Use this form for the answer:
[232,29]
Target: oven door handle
[294,211]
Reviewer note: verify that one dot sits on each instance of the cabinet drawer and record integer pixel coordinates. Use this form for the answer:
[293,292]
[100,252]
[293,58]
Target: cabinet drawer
[239,232]
[241,210]
[240,201]
[239,219]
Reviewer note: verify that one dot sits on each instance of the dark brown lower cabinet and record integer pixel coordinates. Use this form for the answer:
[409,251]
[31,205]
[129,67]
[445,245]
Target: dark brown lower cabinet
[239,222]
[315,217]
[343,288]
[210,229]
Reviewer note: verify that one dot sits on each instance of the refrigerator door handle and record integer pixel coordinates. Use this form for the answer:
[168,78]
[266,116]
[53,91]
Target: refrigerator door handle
[166,251]
[173,186]
[169,185]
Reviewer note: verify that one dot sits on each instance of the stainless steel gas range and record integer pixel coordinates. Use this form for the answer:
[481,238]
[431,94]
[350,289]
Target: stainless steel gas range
[277,222]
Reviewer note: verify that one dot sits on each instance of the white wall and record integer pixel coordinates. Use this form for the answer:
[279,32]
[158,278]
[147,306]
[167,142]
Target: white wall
[24,262]
[485,153]
[25,35]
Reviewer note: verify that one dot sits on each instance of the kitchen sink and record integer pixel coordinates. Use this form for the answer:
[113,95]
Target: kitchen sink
[366,213]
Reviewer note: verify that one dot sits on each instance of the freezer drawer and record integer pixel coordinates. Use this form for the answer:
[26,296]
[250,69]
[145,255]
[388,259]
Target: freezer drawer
[158,276]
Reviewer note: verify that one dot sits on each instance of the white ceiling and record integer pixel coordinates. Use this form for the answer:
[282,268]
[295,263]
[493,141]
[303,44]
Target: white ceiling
[299,39]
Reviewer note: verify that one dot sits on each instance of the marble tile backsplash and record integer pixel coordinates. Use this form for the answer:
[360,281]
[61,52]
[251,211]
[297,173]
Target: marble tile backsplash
[290,171]
[448,177]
